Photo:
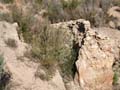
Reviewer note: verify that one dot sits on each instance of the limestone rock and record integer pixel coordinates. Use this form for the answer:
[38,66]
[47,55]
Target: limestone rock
[95,60]
[113,34]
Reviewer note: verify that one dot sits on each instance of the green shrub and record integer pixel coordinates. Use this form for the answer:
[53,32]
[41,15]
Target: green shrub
[55,11]
[4,76]
[70,4]
[7,1]
[46,46]
[68,68]
[39,1]
[24,23]
[62,10]
[1,71]
[50,48]
[92,10]
[115,78]
[5,17]
[1,64]
[46,41]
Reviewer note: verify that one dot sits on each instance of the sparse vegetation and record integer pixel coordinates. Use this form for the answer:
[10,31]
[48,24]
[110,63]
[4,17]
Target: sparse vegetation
[48,46]
[115,78]
[1,64]
[39,1]
[7,1]
[4,76]
[94,11]
[24,23]
[116,2]
[1,70]
[68,68]
[62,10]
[71,4]
[11,43]
[5,17]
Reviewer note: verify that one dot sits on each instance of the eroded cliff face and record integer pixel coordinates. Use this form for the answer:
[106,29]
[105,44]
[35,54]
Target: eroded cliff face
[96,54]
[94,64]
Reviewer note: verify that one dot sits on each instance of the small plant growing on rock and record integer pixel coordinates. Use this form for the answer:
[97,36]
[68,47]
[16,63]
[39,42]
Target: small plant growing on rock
[1,64]
[115,78]
[24,23]
[1,71]
[72,4]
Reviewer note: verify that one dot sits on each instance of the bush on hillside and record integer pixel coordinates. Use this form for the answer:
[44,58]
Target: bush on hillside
[50,49]
[115,78]
[116,2]
[24,22]
[7,1]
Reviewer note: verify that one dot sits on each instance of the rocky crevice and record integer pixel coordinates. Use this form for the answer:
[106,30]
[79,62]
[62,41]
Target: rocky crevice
[94,62]
[4,80]
[95,56]
[94,59]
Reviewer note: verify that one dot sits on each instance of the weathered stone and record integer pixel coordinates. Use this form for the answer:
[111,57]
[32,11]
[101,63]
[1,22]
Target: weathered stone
[95,62]
[95,59]
[112,24]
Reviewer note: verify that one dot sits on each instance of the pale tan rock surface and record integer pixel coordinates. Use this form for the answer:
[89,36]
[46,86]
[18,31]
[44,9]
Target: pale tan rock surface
[95,59]
[113,34]
[94,64]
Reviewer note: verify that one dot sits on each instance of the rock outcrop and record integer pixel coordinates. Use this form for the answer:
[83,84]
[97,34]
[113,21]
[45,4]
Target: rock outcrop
[95,60]
[96,55]
[114,34]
